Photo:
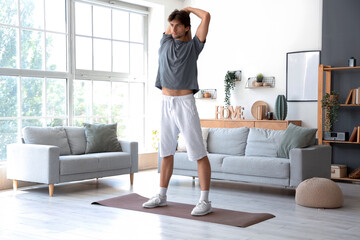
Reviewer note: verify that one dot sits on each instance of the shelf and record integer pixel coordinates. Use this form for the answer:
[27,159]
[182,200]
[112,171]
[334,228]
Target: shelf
[347,179]
[350,105]
[261,87]
[324,85]
[327,68]
[347,142]
[213,93]
[270,81]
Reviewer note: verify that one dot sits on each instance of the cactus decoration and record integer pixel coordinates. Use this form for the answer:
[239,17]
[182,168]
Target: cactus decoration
[280,107]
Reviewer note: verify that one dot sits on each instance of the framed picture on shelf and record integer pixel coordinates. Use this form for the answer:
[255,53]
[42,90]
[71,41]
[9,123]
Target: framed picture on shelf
[302,76]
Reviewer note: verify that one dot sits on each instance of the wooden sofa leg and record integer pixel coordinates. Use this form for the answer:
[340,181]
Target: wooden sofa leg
[15,185]
[51,190]
[131,178]
[193,178]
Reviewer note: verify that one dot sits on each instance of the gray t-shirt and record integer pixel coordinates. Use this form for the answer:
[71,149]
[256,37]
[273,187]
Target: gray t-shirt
[177,63]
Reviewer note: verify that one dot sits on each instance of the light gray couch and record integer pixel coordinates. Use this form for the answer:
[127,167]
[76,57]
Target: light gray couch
[59,156]
[250,155]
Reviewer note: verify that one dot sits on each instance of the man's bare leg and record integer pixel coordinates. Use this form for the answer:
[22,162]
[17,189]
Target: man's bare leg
[204,172]
[166,170]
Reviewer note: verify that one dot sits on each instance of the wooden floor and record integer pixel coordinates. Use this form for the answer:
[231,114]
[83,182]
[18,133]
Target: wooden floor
[30,213]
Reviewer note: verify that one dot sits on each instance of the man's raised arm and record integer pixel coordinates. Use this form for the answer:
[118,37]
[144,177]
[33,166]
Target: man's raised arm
[168,30]
[203,28]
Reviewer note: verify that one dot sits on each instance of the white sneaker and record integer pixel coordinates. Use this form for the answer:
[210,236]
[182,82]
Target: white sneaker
[156,201]
[202,208]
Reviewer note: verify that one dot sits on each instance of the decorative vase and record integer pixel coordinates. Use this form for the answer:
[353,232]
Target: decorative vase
[258,84]
[280,107]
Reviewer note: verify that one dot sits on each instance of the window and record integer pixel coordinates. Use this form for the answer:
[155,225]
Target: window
[109,84]
[104,69]
[33,64]
[29,101]
[33,35]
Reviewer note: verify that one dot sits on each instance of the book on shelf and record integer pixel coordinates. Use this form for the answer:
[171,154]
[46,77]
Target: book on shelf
[353,137]
[349,97]
[353,97]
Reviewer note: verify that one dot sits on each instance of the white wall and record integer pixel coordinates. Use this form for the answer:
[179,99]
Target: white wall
[254,36]
[250,35]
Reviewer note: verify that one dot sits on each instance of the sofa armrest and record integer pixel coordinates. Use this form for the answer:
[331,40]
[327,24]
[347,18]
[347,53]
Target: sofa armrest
[132,148]
[33,162]
[313,161]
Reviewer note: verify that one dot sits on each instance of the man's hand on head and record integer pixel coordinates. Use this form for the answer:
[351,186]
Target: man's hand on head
[187,9]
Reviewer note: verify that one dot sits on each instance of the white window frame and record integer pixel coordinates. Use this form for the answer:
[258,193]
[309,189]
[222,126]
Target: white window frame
[22,73]
[93,75]
[71,73]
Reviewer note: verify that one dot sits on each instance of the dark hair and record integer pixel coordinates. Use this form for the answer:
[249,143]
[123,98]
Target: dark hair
[181,16]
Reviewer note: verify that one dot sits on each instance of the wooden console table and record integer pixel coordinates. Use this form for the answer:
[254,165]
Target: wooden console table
[229,123]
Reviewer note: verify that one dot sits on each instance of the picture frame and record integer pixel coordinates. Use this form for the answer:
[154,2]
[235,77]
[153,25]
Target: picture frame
[302,69]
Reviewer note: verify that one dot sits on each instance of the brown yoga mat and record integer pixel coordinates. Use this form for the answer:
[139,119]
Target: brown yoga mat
[134,201]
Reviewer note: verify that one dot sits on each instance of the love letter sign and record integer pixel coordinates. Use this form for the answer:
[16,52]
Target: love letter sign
[222,112]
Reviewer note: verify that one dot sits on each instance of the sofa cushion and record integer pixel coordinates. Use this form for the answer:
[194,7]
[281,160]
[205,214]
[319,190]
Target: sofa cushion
[74,164]
[94,162]
[114,160]
[182,162]
[296,137]
[181,147]
[77,139]
[263,142]
[101,138]
[55,136]
[257,166]
[230,141]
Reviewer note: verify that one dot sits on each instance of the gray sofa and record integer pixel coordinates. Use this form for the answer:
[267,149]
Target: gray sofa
[251,155]
[57,154]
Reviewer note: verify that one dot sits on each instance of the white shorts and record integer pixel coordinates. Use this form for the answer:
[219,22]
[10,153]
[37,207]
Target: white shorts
[179,114]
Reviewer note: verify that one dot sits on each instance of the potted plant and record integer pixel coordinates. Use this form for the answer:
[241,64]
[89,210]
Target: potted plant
[207,95]
[229,83]
[330,103]
[259,79]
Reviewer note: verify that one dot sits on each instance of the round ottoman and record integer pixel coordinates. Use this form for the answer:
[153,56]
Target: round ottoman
[319,193]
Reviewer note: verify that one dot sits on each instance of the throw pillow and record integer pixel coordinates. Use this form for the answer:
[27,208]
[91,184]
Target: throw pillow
[263,142]
[55,136]
[231,141]
[296,137]
[182,144]
[77,139]
[101,138]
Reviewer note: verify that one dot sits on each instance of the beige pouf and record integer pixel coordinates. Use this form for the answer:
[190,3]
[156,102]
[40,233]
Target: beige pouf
[319,193]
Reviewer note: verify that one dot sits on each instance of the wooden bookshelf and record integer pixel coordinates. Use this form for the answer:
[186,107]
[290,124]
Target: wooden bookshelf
[324,86]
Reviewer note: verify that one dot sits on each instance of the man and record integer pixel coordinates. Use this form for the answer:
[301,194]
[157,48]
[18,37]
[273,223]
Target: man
[177,78]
